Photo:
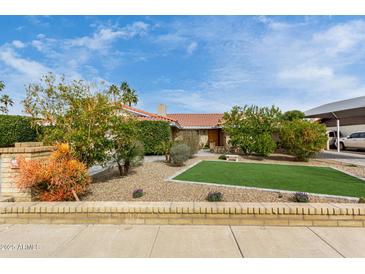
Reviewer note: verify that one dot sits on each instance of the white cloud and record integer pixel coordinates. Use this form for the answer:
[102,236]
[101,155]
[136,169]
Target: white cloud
[192,101]
[292,64]
[27,67]
[191,47]
[39,45]
[18,44]
[273,24]
[306,73]
[105,36]
[342,37]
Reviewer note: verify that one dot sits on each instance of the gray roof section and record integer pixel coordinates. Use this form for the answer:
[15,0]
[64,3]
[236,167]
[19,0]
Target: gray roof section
[340,107]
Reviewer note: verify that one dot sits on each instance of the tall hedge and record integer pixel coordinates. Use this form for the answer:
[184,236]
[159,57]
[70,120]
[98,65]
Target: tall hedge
[152,134]
[15,129]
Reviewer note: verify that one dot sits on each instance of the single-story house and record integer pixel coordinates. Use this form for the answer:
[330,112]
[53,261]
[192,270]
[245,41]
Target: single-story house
[207,125]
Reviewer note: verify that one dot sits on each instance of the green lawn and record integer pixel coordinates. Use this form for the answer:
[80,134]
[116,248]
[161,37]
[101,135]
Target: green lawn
[322,180]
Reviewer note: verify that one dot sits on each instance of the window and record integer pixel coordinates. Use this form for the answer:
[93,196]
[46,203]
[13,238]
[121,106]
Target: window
[355,135]
[331,134]
[362,134]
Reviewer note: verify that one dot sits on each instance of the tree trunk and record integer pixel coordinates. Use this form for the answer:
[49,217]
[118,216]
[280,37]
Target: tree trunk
[126,167]
[120,167]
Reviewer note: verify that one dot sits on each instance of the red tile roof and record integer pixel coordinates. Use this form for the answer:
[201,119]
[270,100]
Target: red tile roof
[197,120]
[180,119]
[148,115]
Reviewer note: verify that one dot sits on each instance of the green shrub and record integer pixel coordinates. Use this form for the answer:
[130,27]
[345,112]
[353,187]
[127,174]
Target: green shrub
[264,144]
[137,193]
[165,148]
[179,154]
[292,115]
[152,134]
[191,139]
[215,196]
[16,129]
[222,157]
[301,197]
[303,138]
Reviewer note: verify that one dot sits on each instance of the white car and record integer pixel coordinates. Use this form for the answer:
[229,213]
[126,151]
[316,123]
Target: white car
[355,140]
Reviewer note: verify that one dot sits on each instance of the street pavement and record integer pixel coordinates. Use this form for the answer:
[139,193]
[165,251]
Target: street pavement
[185,241]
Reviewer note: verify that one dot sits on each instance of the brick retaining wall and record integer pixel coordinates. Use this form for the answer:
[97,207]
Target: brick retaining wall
[271,214]
[9,173]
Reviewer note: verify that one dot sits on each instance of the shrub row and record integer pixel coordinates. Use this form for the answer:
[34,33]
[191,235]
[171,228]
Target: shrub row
[16,129]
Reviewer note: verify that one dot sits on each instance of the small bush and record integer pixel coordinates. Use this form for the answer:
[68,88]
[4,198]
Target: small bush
[303,138]
[55,179]
[137,193]
[222,157]
[179,154]
[15,129]
[362,200]
[191,139]
[301,197]
[215,196]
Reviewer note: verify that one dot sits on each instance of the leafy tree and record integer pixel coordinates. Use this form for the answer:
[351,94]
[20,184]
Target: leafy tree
[129,95]
[79,114]
[292,115]
[251,128]
[126,148]
[123,94]
[303,138]
[152,134]
[165,148]
[5,100]
[115,93]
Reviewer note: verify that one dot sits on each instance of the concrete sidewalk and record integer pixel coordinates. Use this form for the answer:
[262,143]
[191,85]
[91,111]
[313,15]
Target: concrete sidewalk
[179,241]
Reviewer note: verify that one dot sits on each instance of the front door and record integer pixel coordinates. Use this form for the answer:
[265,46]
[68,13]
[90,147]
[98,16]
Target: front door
[213,136]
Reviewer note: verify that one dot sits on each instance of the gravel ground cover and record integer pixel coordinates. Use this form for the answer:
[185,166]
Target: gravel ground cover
[150,177]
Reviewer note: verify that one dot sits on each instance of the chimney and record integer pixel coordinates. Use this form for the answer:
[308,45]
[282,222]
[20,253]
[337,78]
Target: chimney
[161,109]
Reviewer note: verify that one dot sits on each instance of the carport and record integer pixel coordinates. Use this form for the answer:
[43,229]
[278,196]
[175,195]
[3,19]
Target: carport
[345,112]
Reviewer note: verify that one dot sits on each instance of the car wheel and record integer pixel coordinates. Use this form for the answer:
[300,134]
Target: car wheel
[342,146]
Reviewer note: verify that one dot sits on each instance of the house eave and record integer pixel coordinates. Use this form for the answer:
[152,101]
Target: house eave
[201,127]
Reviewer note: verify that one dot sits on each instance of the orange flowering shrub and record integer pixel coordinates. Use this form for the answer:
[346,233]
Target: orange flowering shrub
[56,178]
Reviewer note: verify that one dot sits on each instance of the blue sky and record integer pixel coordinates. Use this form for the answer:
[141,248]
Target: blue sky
[192,63]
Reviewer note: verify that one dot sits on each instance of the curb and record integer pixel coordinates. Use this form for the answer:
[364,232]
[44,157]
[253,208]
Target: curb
[199,213]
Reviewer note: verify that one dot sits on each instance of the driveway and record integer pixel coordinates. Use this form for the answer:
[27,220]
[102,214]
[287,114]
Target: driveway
[179,241]
[348,157]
